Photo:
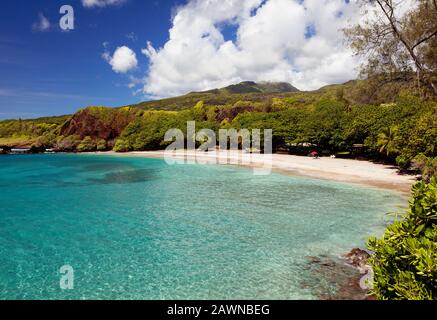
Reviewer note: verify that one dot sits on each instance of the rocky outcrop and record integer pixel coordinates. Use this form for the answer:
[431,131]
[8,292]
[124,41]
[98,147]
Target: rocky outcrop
[357,258]
[99,122]
[345,278]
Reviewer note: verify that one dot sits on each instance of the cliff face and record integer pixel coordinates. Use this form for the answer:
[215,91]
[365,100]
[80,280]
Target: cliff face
[99,122]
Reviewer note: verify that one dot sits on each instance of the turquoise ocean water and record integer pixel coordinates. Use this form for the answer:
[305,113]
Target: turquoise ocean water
[136,228]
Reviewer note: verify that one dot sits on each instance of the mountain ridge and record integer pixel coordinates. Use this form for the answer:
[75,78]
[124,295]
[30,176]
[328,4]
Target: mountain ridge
[215,108]
[253,87]
[246,90]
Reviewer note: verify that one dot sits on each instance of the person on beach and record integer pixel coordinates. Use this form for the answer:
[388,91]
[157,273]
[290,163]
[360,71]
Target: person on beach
[315,155]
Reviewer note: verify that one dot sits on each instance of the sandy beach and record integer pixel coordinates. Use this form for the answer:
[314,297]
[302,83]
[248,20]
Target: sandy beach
[342,170]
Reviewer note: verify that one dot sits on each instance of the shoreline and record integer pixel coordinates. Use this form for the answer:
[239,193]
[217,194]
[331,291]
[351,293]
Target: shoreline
[364,173]
[340,170]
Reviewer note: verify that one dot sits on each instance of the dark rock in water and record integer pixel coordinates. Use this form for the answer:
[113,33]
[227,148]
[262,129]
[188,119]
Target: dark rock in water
[339,279]
[313,259]
[125,177]
[329,264]
[348,289]
[357,258]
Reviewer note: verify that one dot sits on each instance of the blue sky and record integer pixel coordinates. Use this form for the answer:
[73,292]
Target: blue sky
[53,72]
[169,47]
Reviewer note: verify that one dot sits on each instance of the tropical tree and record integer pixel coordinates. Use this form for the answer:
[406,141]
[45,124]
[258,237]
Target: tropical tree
[398,42]
[388,141]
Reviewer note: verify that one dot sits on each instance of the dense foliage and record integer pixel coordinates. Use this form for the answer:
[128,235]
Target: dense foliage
[400,54]
[331,120]
[405,258]
[26,132]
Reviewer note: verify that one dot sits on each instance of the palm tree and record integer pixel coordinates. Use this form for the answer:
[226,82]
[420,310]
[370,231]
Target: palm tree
[388,141]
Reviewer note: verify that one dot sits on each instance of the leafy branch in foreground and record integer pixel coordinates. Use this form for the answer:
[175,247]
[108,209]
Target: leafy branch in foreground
[399,44]
[405,258]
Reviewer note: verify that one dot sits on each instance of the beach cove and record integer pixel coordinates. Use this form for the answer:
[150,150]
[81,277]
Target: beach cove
[341,170]
[133,227]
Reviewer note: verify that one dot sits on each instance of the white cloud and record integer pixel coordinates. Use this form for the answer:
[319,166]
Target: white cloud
[134,82]
[123,59]
[102,3]
[43,24]
[270,45]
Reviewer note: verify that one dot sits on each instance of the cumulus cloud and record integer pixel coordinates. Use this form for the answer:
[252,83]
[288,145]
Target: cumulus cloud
[101,3]
[43,24]
[272,43]
[123,59]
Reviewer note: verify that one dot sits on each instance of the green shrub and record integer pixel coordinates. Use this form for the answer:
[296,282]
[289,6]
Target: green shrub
[101,145]
[427,166]
[403,162]
[147,132]
[121,145]
[405,258]
[87,144]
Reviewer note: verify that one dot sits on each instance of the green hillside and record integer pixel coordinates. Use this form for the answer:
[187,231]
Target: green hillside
[391,124]
[244,91]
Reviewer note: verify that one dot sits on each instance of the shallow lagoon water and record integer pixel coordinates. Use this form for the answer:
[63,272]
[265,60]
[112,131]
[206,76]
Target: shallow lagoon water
[136,228]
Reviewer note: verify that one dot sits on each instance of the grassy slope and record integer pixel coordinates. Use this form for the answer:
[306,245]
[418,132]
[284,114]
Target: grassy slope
[24,132]
[245,91]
